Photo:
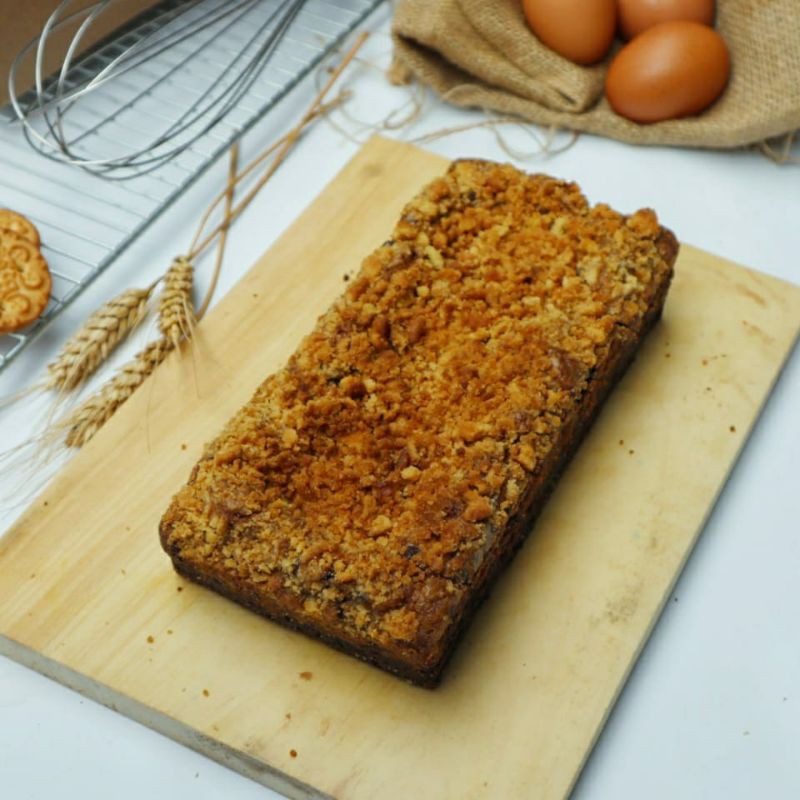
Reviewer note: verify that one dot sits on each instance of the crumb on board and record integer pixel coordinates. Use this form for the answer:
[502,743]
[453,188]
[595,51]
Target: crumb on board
[306,676]
[293,753]
[288,715]
[630,452]
[206,693]
[732,429]
[169,631]
[183,445]
[150,640]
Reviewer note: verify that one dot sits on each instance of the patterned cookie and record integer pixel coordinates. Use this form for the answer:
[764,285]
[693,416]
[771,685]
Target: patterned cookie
[25,282]
[22,226]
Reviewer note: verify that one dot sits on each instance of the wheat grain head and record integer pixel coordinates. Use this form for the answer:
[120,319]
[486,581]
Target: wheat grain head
[84,421]
[94,342]
[176,317]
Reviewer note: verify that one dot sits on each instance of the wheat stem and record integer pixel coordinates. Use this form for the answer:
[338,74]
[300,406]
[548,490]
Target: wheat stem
[286,144]
[223,236]
[195,249]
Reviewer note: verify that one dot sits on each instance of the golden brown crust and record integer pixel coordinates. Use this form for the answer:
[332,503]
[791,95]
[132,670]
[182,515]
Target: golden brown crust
[22,226]
[372,488]
[25,282]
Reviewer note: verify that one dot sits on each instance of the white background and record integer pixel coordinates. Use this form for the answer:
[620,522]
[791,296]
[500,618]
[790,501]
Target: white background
[712,709]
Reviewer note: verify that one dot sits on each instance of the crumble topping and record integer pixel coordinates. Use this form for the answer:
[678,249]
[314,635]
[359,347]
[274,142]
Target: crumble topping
[363,483]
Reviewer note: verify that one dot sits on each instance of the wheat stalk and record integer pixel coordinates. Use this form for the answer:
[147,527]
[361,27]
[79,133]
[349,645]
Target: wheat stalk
[176,317]
[94,342]
[282,146]
[222,241]
[84,422]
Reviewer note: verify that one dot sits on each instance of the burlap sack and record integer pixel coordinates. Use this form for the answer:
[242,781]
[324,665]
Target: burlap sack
[480,53]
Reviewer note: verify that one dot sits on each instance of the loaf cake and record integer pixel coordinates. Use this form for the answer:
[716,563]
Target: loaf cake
[373,488]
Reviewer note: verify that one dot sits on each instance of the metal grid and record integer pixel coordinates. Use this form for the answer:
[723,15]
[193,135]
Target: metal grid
[86,221]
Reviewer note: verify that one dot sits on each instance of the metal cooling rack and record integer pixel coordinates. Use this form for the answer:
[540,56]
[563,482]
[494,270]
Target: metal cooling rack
[86,221]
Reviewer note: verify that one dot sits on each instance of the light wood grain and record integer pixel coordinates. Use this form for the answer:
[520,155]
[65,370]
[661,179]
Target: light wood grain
[89,598]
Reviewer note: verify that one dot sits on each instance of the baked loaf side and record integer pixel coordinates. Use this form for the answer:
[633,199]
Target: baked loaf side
[371,489]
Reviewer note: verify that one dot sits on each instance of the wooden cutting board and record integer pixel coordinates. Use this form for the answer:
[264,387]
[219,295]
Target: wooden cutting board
[88,597]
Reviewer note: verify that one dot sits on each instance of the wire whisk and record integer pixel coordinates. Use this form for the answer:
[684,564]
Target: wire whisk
[160,66]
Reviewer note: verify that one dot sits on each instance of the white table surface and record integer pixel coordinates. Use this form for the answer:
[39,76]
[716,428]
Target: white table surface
[712,709]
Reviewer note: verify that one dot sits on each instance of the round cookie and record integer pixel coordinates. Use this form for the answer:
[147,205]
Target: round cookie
[25,282]
[22,226]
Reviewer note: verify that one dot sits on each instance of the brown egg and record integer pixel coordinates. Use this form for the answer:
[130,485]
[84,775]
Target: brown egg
[580,30]
[671,70]
[636,16]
